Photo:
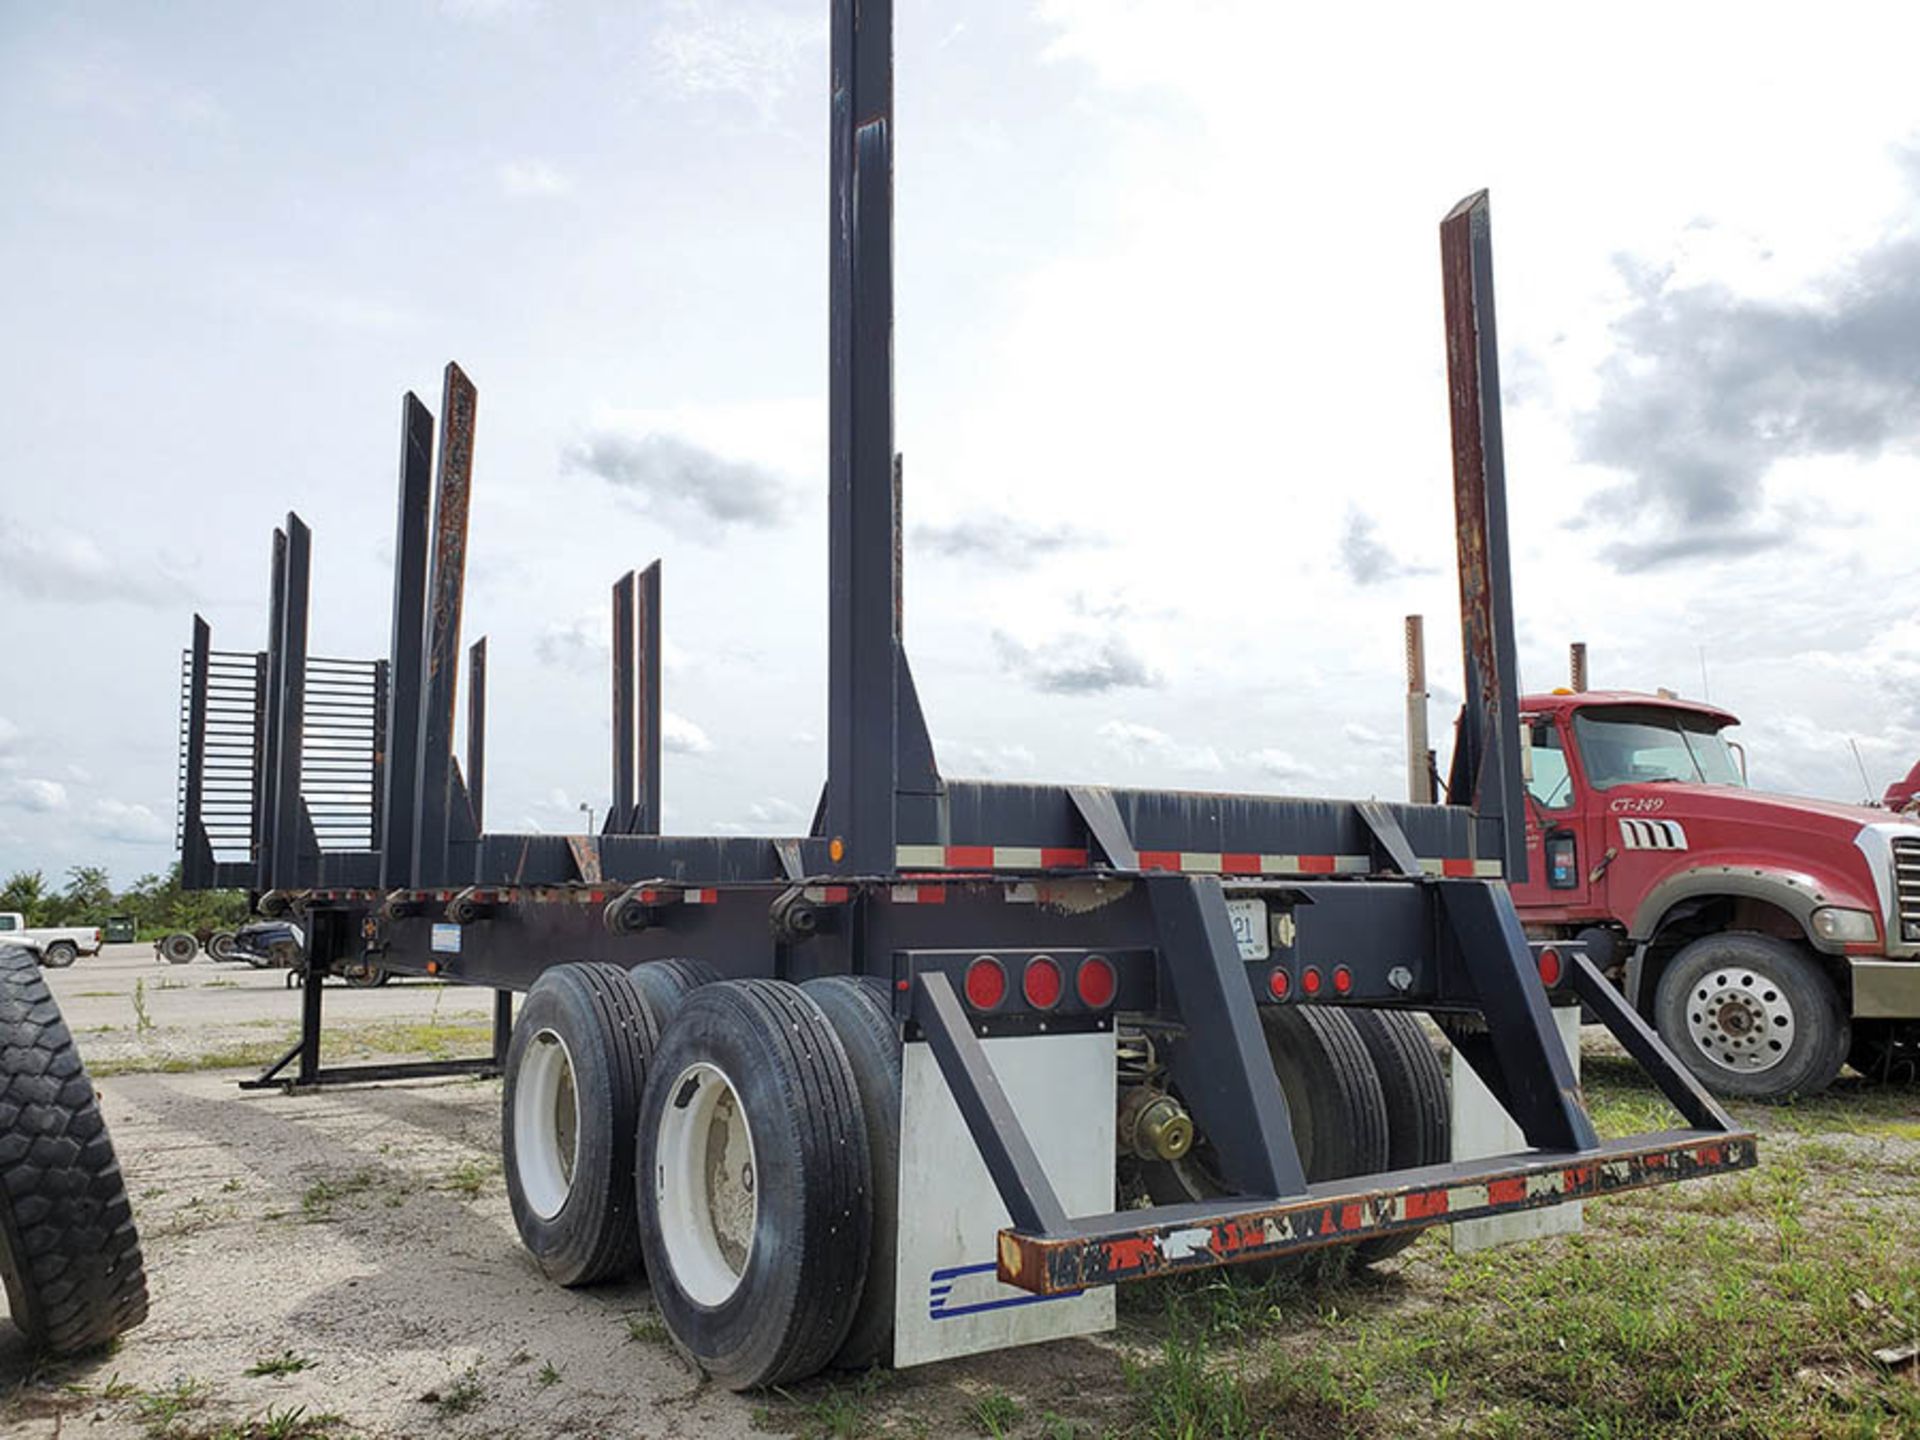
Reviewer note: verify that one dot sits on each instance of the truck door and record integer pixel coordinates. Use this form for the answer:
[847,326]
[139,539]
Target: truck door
[1557,862]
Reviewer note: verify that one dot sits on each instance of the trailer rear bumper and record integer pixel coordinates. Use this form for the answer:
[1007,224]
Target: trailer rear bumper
[1138,1244]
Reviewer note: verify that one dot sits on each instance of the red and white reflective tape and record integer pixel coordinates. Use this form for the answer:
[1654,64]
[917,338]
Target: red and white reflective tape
[699,897]
[826,894]
[1197,862]
[919,894]
[989,857]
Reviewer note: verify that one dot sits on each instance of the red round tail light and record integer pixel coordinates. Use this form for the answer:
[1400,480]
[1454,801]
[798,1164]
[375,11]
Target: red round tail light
[1550,967]
[1042,983]
[986,983]
[1342,980]
[1310,980]
[1096,982]
[1279,983]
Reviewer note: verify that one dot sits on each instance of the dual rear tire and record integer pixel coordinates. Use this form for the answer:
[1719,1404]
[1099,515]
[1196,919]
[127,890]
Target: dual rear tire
[725,1143]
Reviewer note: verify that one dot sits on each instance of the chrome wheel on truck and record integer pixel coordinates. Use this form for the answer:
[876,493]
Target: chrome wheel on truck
[575,1070]
[1753,1016]
[754,1184]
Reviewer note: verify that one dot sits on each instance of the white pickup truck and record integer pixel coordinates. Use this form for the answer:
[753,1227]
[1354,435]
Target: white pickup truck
[59,945]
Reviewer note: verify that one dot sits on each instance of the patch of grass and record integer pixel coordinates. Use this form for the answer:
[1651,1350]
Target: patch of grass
[464,1394]
[994,1413]
[292,1423]
[162,1408]
[142,1021]
[318,1199]
[648,1330]
[285,1363]
[548,1375]
[468,1178]
[221,985]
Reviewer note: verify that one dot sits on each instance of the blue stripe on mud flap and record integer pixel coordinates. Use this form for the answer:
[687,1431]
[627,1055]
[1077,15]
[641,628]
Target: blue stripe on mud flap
[940,1289]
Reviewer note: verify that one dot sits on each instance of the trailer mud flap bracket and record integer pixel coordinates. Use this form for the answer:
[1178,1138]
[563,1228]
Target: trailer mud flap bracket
[1187,1237]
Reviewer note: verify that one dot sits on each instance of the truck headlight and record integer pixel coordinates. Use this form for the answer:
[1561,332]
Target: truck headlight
[1846,926]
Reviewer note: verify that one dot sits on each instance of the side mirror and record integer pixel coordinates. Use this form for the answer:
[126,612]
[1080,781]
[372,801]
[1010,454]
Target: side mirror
[1740,754]
[1526,751]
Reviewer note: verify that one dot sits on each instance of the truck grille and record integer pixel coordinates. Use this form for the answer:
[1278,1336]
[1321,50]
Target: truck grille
[1906,886]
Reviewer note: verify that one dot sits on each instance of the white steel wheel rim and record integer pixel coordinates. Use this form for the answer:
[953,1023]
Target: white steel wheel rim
[706,1188]
[546,1124]
[1740,1019]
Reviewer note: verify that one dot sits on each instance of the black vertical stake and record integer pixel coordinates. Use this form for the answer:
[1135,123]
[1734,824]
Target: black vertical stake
[502,1026]
[410,549]
[862,648]
[434,784]
[477,732]
[1486,762]
[646,814]
[267,794]
[289,711]
[620,810]
[257,834]
[310,992]
[377,800]
[196,857]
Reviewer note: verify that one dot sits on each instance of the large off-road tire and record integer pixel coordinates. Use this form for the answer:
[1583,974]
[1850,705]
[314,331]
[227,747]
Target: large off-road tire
[1335,1103]
[179,948]
[60,954]
[69,1255]
[1753,1016]
[576,1069]
[756,1216]
[856,1007]
[666,983]
[1886,1051]
[220,945]
[1413,1085]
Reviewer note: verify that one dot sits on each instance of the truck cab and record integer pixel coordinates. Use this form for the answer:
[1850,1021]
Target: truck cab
[1769,938]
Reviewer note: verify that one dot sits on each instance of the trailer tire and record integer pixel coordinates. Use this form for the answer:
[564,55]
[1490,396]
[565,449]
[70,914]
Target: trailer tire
[60,954]
[576,1069]
[1334,1100]
[69,1253]
[220,945]
[667,983]
[856,1007]
[179,948]
[1752,1016]
[1413,1085]
[754,1184]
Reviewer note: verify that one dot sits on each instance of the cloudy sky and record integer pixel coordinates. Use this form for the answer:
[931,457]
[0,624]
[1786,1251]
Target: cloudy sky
[1169,367]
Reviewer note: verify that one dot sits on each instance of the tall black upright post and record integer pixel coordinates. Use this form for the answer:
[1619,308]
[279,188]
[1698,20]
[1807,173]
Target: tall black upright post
[1486,760]
[407,657]
[266,791]
[477,732]
[863,638]
[646,631]
[196,855]
[289,704]
[434,786]
[620,805]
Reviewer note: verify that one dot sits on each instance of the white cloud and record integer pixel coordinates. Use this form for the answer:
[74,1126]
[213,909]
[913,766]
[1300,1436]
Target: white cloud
[1145,746]
[41,797]
[748,51]
[531,180]
[680,736]
[130,824]
[71,568]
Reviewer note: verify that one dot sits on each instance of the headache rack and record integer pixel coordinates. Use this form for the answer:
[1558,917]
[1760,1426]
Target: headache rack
[331,789]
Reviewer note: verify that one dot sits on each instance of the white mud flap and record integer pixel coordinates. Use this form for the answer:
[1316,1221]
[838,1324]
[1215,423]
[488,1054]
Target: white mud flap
[1481,1127]
[947,1300]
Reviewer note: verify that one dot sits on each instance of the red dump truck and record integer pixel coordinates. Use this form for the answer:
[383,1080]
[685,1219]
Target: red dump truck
[1770,939]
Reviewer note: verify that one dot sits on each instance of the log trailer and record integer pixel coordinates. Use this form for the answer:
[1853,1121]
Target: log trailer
[873,1093]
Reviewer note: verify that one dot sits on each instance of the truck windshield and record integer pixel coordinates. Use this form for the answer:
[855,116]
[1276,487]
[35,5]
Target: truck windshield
[1646,747]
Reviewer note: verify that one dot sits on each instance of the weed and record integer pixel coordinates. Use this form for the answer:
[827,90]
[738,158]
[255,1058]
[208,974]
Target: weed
[647,1329]
[994,1413]
[548,1375]
[285,1363]
[142,1021]
[468,1178]
[464,1394]
[161,1408]
[292,1423]
[317,1200]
